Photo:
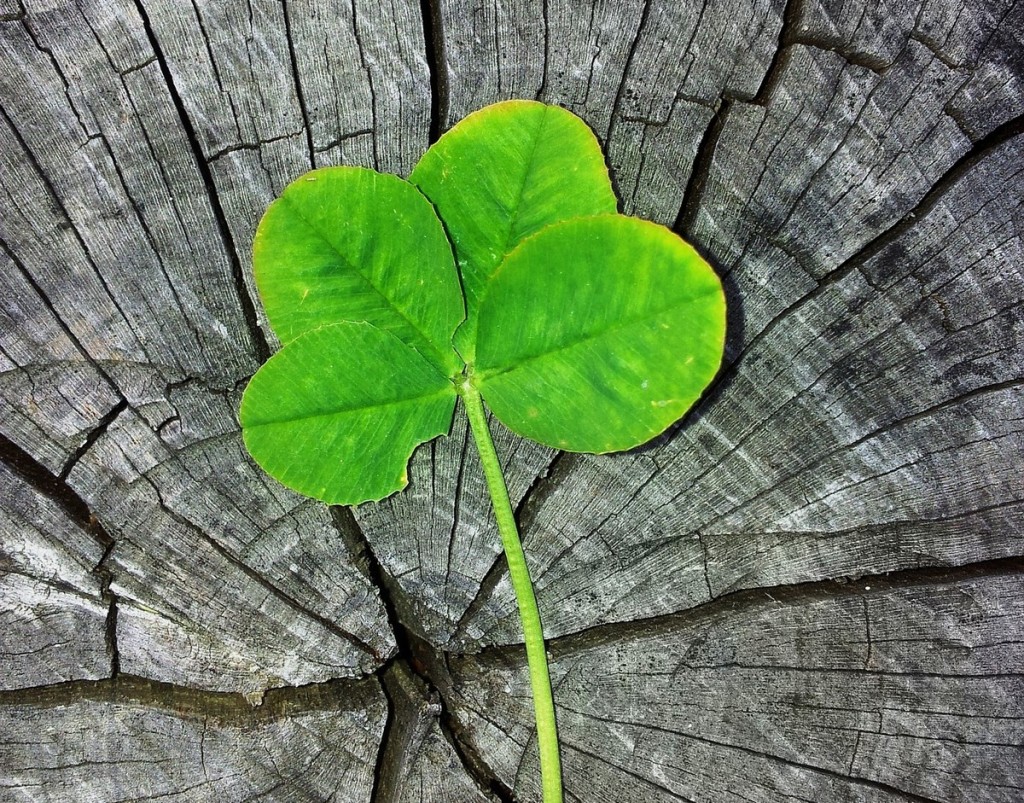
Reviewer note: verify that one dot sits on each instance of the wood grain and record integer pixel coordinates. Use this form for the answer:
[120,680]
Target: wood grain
[809,589]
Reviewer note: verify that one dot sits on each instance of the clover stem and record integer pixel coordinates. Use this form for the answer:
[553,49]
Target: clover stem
[533,635]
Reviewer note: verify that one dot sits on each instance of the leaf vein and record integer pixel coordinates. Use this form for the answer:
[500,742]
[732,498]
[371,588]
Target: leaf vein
[648,316]
[448,390]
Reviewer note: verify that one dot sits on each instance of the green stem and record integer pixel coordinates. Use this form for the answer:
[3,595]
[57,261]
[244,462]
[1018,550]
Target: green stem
[533,635]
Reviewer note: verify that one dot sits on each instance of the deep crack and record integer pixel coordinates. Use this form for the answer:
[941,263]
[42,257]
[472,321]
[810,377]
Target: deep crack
[416,655]
[434,48]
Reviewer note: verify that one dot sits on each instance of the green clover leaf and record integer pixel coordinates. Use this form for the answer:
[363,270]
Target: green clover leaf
[350,244]
[582,329]
[597,333]
[502,174]
[339,392]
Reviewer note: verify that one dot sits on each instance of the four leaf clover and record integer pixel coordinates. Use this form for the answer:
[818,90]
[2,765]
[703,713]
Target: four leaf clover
[499,272]
[500,267]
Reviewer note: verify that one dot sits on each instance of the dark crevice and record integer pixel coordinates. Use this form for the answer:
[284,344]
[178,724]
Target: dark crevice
[857,58]
[700,172]
[228,708]
[732,603]
[55,64]
[488,585]
[417,656]
[457,501]
[662,791]
[298,82]
[136,67]
[56,488]
[545,18]
[144,227]
[368,72]
[259,341]
[106,578]
[94,435]
[704,158]
[958,170]
[251,146]
[471,759]
[394,744]
[933,410]
[434,47]
[14,16]
[52,487]
[544,485]
[935,48]
[707,568]
[791,16]
[334,143]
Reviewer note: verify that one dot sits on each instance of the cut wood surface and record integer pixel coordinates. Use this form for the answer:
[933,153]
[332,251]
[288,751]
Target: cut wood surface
[811,589]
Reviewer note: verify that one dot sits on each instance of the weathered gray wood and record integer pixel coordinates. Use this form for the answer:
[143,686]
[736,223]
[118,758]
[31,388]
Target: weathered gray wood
[891,693]
[224,579]
[53,615]
[69,744]
[854,409]
[852,169]
[418,761]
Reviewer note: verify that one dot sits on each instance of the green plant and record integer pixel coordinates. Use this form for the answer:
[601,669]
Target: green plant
[580,328]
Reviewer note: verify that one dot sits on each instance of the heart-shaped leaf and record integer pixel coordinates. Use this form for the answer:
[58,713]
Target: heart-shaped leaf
[502,174]
[597,333]
[350,244]
[337,412]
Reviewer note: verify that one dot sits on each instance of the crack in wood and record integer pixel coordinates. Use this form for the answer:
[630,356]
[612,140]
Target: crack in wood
[394,744]
[259,341]
[792,14]
[437,67]
[52,487]
[344,694]
[30,32]
[929,412]
[959,169]
[368,72]
[427,665]
[733,602]
[251,146]
[91,437]
[703,161]
[297,77]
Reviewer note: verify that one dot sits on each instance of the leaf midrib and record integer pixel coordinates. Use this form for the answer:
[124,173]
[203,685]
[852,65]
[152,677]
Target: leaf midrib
[449,389]
[490,373]
[513,218]
[437,354]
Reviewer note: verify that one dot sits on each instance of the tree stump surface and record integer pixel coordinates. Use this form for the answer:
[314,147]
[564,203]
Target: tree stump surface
[812,589]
